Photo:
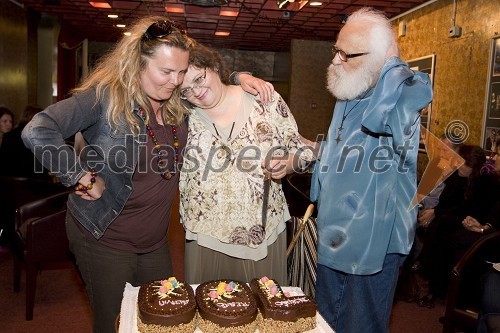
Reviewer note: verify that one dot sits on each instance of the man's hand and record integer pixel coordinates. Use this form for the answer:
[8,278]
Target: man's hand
[254,86]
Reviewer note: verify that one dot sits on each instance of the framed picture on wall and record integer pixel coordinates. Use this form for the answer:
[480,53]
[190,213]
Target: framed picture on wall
[494,108]
[492,134]
[426,65]
[491,126]
[496,66]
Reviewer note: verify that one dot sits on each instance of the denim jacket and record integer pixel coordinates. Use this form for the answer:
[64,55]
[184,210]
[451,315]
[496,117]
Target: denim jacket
[113,153]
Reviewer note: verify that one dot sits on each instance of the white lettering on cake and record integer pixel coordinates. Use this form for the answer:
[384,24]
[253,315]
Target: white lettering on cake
[232,305]
[292,301]
[177,302]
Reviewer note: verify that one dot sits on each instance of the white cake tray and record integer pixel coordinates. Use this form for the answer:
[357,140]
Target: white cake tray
[128,313]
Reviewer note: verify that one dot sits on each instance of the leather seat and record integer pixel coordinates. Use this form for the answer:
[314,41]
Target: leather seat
[462,310]
[40,241]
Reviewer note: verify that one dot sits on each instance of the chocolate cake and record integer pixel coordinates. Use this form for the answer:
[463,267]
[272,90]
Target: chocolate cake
[281,312]
[226,306]
[166,306]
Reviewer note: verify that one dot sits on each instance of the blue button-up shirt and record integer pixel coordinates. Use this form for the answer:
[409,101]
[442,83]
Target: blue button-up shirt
[365,183]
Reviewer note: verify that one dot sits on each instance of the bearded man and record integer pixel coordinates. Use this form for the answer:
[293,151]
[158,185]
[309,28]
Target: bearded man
[365,179]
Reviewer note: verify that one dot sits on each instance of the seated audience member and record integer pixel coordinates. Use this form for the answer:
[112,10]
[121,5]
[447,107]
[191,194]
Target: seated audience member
[17,159]
[6,121]
[468,194]
[444,163]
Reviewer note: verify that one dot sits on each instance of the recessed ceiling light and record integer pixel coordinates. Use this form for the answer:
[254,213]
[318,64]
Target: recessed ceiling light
[222,33]
[315,3]
[99,4]
[127,33]
[113,16]
[174,8]
[120,25]
[228,12]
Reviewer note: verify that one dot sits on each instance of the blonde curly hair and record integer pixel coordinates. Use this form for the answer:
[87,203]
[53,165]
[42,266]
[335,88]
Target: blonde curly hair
[118,73]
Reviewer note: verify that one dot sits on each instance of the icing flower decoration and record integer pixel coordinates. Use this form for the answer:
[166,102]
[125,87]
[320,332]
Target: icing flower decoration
[270,283]
[167,287]
[270,287]
[223,290]
[287,294]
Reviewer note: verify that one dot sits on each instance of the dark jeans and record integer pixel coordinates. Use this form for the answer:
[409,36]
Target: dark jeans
[358,303]
[105,272]
[490,299]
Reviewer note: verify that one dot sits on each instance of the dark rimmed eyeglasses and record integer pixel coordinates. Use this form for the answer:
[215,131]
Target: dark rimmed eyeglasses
[161,29]
[344,56]
[198,82]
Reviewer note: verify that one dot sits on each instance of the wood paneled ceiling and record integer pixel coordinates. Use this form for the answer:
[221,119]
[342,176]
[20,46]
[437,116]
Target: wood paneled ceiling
[260,24]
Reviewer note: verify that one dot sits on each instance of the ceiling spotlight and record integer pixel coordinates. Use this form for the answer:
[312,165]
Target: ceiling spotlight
[99,4]
[315,3]
[225,11]
[127,33]
[113,16]
[174,8]
[222,33]
[120,25]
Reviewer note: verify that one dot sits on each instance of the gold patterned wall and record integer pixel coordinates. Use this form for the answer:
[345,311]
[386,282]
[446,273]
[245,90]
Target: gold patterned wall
[14,65]
[462,63]
[461,68]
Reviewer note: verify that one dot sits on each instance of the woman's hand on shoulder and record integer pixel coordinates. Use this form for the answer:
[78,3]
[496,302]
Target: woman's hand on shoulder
[254,86]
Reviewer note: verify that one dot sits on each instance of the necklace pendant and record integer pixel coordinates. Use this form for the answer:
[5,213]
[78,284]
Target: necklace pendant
[338,139]
[166,175]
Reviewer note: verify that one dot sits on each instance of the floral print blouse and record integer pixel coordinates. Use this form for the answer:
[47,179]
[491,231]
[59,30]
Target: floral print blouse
[222,182]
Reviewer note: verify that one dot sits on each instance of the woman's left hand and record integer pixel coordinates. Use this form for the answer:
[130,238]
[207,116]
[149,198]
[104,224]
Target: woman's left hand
[254,86]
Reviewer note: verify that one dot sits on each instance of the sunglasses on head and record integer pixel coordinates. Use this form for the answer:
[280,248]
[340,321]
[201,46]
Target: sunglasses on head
[161,29]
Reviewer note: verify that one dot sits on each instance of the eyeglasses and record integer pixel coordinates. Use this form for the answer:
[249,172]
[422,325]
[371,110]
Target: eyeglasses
[199,81]
[160,29]
[344,55]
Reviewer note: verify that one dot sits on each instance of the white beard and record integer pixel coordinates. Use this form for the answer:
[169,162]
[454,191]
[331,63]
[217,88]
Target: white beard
[348,86]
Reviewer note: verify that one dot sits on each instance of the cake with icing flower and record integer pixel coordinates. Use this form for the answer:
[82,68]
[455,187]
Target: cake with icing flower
[226,306]
[166,306]
[280,311]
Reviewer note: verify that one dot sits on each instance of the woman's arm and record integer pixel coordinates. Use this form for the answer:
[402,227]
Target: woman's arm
[253,85]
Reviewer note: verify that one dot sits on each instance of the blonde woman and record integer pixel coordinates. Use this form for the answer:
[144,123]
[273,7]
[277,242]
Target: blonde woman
[126,176]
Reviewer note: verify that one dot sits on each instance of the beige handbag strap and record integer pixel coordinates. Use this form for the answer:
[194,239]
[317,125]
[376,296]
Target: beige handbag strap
[300,229]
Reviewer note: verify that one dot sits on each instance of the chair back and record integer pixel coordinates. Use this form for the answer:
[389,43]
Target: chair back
[46,239]
[41,207]
[462,309]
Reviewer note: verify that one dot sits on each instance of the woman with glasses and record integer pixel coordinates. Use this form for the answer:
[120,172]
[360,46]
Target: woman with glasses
[232,204]
[126,177]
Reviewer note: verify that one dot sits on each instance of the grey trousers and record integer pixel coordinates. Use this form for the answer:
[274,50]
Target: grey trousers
[203,264]
[105,272]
